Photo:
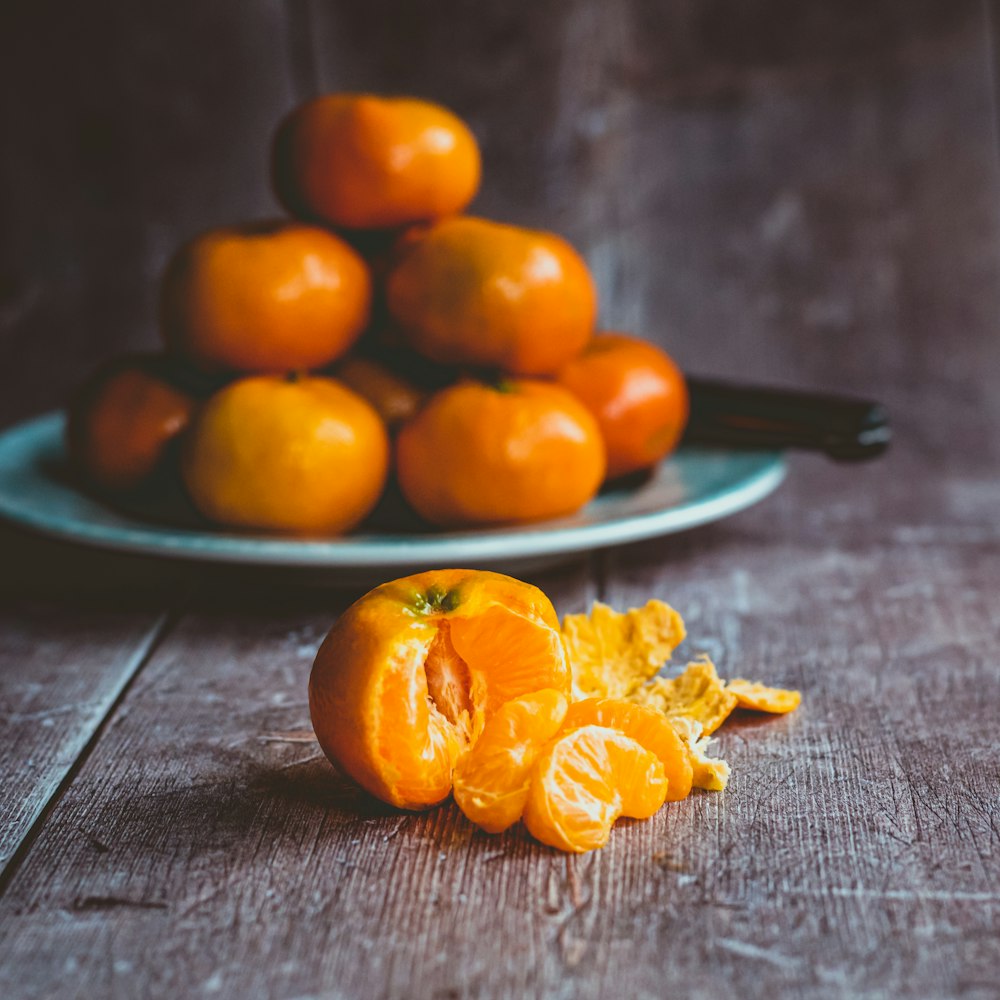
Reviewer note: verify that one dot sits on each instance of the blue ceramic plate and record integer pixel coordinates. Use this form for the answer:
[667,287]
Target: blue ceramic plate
[692,487]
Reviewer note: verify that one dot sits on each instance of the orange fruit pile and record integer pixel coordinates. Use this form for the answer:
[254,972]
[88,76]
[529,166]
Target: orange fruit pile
[378,331]
[464,682]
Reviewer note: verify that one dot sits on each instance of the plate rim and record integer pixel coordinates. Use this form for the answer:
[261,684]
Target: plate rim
[497,544]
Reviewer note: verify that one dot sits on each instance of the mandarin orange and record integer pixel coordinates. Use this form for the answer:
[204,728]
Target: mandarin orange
[517,450]
[366,162]
[475,292]
[637,394]
[296,455]
[395,398]
[122,421]
[409,675]
[266,297]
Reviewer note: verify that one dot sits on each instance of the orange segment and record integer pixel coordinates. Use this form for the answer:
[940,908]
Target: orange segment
[761,698]
[491,780]
[513,657]
[408,676]
[697,694]
[649,728]
[584,780]
[612,653]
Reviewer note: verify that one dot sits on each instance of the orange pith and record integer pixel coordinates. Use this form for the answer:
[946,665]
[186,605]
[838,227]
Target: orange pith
[649,728]
[492,779]
[584,780]
[410,673]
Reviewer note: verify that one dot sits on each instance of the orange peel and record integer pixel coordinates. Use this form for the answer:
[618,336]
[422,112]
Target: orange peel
[698,693]
[710,773]
[760,698]
[613,653]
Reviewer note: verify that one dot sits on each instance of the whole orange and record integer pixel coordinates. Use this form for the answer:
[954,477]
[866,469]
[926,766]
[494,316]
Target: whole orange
[408,676]
[470,291]
[268,297]
[518,450]
[366,162]
[122,421]
[637,394]
[394,397]
[303,456]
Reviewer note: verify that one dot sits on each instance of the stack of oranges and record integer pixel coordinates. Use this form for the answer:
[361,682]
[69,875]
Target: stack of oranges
[378,331]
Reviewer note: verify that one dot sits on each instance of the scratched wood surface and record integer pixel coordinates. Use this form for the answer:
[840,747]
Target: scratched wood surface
[796,192]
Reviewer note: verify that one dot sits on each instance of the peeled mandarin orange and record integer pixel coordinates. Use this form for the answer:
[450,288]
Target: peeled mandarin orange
[409,675]
[584,780]
[491,780]
[366,162]
[470,291]
[301,456]
[519,450]
[265,297]
[649,728]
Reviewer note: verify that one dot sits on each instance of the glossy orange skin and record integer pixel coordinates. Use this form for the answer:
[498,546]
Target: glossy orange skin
[478,454]
[268,298]
[394,397]
[637,394]
[122,421]
[370,695]
[475,292]
[303,457]
[365,162]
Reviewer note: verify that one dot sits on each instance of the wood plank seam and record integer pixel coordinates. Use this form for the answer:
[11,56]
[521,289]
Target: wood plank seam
[162,628]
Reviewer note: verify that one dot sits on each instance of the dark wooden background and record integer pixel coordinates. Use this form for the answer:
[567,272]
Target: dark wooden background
[795,191]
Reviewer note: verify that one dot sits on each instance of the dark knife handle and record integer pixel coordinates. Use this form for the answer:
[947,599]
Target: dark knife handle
[743,416]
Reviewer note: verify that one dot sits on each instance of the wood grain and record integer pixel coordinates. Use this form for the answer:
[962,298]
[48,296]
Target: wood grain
[854,853]
[787,191]
[63,669]
[205,761]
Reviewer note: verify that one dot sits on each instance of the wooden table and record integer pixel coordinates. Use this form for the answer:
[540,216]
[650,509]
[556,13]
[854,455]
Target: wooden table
[805,193]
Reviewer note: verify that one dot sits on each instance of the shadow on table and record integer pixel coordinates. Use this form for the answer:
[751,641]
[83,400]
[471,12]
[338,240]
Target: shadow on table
[40,568]
[316,783]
